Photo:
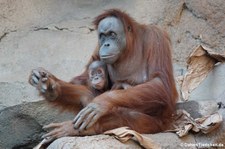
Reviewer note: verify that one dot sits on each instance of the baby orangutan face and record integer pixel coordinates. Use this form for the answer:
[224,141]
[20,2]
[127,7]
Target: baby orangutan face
[97,75]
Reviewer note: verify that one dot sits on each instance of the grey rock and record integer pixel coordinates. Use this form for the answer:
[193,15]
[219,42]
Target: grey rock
[21,125]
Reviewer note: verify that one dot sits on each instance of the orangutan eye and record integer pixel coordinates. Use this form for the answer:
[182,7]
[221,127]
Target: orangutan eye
[102,36]
[99,71]
[92,73]
[112,34]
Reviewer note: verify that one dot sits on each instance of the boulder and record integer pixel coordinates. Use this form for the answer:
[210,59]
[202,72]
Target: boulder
[21,125]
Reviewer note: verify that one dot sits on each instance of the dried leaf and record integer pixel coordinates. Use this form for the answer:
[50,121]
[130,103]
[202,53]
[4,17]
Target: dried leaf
[200,62]
[183,123]
[124,134]
[211,122]
[185,130]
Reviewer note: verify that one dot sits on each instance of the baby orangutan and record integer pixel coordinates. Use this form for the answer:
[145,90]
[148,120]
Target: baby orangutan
[99,78]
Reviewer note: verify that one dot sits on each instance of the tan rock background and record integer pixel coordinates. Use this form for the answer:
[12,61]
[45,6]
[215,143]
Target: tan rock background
[58,35]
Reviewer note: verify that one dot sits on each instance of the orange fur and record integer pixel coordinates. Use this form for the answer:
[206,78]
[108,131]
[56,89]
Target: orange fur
[147,106]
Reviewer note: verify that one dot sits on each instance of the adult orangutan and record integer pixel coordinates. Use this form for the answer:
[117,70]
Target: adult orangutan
[136,54]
